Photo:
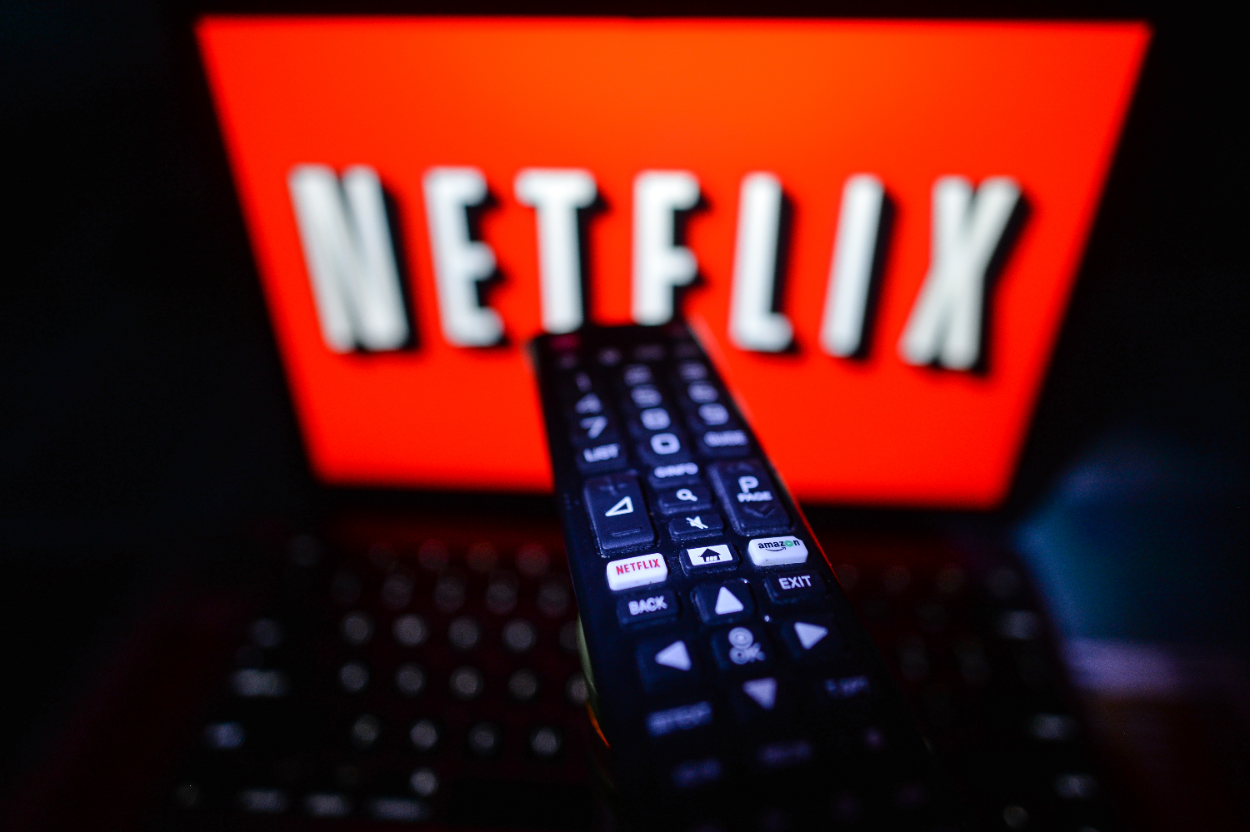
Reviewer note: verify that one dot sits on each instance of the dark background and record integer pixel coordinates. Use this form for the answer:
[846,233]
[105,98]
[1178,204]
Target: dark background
[146,423]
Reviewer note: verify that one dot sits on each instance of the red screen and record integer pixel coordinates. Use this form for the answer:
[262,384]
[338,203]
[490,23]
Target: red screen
[1032,107]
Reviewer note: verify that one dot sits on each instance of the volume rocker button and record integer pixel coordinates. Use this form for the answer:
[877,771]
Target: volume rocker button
[618,513]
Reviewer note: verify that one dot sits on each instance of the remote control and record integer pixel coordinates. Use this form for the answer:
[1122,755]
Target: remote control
[730,681]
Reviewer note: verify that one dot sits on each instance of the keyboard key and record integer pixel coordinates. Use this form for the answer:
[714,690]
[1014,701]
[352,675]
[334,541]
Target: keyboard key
[722,602]
[519,635]
[424,782]
[463,633]
[424,735]
[777,551]
[485,738]
[353,677]
[546,742]
[398,809]
[411,630]
[357,628]
[523,685]
[692,526]
[409,679]
[749,496]
[466,683]
[683,500]
[618,513]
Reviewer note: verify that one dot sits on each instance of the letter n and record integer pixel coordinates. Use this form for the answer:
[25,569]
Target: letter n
[351,261]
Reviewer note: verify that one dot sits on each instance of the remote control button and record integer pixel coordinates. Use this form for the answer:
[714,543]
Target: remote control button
[777,551]
[811,638]
[794,586]
[673,473]
[618,513]
[686,499]
[576,385]
[846,687]
[703,558]
[637,571]
[587,404]
[710,415]
[682,718]
[701,392]
[763,692]
[646,395]
[593,430]
[608,456]
[666,663]
[721,603]
[649,352]
[645,609]
[637,374]
[662,448]
[724,443]
[693,526]
[750,497]
[692,371]
[655,418]
[742,647]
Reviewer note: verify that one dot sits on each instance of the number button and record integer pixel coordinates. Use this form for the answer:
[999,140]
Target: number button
[618,513]
[646,395]
[712,415]
[636,374]
[655,418]
[701,392]
[593,430]
[663,448]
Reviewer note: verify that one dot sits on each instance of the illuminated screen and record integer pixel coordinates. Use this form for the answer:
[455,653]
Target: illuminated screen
[874,227]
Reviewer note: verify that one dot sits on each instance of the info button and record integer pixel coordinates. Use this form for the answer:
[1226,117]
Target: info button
[640,570]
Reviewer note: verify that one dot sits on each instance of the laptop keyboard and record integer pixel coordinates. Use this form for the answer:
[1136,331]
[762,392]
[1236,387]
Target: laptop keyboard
[400,678]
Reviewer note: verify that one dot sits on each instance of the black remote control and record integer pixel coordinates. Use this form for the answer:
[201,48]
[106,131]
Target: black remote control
[730,681]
